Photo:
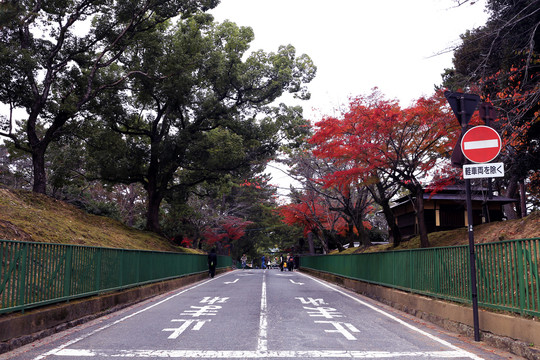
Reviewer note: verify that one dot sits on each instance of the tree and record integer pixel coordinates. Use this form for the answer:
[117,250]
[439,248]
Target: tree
[350,201]
[197,110]
[500,61]
[53,68]
[376,138]
[312,213]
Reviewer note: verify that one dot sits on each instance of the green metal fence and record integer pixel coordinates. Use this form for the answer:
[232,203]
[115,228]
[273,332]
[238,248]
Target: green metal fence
[508,272]
[35,274]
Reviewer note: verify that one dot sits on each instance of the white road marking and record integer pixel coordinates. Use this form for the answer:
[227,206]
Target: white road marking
[262,341]
[481,144]
[209,354]
[463,353]
[340,328]
[262,351]
[323,311]
[60,348]
[231,282]
[176,332]
[311,301]
[296,283]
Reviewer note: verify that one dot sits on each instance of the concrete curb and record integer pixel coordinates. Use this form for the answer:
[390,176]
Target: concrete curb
[18,329]
[515,334]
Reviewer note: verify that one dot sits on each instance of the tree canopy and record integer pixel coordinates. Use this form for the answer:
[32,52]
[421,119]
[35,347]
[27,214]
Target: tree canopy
[57,57]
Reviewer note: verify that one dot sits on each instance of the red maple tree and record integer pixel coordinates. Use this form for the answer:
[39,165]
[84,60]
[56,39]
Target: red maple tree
[376,139]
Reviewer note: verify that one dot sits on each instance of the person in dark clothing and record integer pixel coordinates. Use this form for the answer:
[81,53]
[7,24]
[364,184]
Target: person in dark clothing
[290,262]
[212,262]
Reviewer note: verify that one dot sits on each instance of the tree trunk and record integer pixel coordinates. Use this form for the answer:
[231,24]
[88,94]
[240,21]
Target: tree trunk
[523,198]
[381,198]
[40,176]
[362,234]
[152,215]
[509,209]
[324,241]
[424,242]
[391,220]
[310,243]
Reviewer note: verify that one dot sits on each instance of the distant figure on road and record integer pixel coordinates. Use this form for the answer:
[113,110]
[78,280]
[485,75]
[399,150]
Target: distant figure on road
[263,263]
[212,262]
[244,260]
[290,262]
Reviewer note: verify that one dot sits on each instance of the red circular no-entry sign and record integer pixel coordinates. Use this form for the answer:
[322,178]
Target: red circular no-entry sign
[481,144]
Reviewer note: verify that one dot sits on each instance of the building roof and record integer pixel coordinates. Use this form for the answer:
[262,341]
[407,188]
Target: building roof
[457,193]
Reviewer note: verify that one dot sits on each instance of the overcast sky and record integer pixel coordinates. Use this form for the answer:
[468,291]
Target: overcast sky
[359,44]
[399,46]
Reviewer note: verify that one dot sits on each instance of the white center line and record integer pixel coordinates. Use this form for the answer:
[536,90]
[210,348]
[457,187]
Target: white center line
[262,341]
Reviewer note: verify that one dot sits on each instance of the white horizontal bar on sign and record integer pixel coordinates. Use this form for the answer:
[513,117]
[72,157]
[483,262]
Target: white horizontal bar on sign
[480,144]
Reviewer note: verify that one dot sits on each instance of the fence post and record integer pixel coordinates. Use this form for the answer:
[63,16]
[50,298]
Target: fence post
[97,285]
[67,270]
[520,275]
[22,274]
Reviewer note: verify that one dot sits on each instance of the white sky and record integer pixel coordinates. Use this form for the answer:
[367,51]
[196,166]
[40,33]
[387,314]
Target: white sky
[359,44]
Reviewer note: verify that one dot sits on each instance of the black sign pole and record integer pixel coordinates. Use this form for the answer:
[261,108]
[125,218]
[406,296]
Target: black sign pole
[474,291]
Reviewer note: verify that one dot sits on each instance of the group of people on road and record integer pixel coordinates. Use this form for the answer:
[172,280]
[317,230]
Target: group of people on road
[285,262]
[288,262]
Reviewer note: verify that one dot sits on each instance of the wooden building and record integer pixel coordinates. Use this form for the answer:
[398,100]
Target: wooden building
[446,210]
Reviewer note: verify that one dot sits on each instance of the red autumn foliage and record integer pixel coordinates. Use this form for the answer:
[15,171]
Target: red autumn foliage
[230,229]
[377,138]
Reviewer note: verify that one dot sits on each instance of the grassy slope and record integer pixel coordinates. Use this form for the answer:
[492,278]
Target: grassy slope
[526,228]
[26,216]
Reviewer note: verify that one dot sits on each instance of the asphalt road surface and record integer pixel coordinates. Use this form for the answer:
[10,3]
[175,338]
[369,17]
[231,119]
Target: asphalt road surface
[257,314]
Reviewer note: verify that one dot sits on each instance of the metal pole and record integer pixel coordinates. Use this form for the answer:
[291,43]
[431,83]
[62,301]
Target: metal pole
[474,291]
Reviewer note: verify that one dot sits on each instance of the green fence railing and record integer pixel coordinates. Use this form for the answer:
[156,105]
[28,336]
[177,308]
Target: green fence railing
[35,274]
[508,272]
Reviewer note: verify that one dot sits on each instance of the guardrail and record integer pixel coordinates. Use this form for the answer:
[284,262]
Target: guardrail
[508,272]
[35,274]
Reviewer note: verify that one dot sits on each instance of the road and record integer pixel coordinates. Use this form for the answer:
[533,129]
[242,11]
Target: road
[256,314]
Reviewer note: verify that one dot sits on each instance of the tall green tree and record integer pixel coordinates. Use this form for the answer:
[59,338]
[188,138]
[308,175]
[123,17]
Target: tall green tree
[197,108]
[56,57]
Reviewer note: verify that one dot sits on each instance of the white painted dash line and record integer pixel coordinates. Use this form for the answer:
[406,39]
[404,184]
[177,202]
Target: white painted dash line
[239,354]
[262,341]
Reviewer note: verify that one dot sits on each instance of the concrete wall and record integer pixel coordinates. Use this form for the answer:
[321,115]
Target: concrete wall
[518,335]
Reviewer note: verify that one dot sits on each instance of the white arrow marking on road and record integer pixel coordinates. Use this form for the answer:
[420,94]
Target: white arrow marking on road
[230,282]
[297,283]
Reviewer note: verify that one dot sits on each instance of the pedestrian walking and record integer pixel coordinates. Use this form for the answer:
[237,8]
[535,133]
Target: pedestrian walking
[243,259]
[290,262]
[212,262]
[263,263]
